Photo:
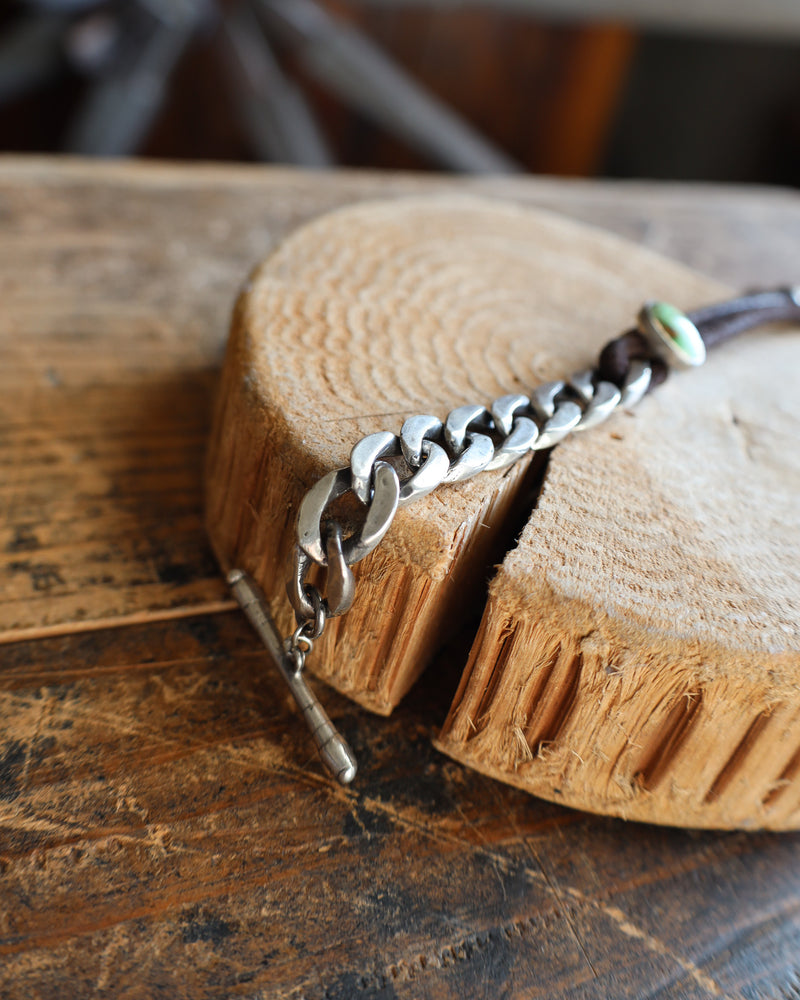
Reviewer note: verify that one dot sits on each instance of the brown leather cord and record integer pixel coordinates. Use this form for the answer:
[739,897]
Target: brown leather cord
[715,324]
[615,359]
[725,319]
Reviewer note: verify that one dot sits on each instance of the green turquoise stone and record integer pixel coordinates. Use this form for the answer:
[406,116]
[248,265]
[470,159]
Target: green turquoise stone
[675,330]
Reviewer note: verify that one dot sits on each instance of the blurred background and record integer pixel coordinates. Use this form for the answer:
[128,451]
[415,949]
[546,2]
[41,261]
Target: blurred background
[681,89]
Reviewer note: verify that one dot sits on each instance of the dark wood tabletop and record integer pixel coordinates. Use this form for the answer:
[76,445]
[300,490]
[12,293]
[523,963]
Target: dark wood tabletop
[165,829]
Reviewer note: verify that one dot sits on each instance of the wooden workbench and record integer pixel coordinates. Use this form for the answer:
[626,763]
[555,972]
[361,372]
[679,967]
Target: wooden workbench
[164,828]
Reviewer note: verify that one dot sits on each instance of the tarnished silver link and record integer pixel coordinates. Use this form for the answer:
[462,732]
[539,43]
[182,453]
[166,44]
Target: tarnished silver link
[519,442]
[363,458]
[636,383]
[505,408]
[309,517]
[543,399]
[296,585]
[472,449]
[605,400]
[428,476]
[380,513]
[415,430]
[583,384]
[566,417]
[340,584]
[477,455]
[459,420]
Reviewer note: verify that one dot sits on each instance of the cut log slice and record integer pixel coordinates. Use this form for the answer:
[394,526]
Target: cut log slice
[639,653]
[376,312]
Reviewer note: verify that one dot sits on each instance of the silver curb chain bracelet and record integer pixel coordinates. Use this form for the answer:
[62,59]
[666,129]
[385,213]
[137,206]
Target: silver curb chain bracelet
[389,470]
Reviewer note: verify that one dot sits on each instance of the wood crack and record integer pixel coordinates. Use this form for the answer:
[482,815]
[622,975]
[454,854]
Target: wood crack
[738,758]
[785,780]
[675,730]
[556,696]
[482,715]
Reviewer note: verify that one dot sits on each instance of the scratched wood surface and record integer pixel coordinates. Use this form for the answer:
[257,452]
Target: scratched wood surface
[164,830]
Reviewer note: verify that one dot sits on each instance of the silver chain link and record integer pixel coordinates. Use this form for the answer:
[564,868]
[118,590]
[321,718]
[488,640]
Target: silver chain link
[388,471]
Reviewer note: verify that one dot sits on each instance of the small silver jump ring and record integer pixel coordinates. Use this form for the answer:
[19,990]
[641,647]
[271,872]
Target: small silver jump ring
[312,628]
[299,636]
[297,655]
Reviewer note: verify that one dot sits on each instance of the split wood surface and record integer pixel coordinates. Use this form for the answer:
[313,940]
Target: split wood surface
[164,827]
[640,653]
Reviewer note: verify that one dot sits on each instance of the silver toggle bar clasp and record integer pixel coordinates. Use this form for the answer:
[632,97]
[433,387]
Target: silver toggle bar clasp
[333,749]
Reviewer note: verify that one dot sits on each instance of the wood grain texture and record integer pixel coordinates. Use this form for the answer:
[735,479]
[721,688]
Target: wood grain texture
[640,651]
[164,829]
[368,316]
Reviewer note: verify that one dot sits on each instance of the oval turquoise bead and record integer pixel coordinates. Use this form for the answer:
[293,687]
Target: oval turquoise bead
[673,329]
